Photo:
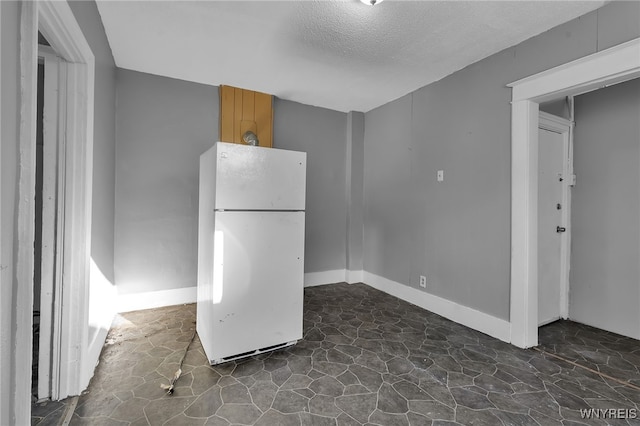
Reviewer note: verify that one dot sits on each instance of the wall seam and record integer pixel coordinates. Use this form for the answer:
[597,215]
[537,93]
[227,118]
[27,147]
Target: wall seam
[348,183]
[411,177]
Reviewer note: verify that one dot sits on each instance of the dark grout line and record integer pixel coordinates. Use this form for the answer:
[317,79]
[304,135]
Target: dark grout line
[606,376]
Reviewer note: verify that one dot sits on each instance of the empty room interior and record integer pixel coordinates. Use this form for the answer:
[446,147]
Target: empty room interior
[336,212]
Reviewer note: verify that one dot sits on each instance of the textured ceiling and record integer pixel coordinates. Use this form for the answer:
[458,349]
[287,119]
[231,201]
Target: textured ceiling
[341,55]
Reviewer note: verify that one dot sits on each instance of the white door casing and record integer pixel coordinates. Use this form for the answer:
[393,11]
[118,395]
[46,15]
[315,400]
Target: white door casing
[57,23]
[555,173]
[20,386]
[4,318]
[614,65]
[52,212]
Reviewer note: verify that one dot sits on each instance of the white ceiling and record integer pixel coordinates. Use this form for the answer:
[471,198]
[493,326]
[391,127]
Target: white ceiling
[341,55]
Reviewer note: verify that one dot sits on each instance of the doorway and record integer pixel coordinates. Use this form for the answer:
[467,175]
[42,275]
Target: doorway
[58,25]
[555,178]
[614,65]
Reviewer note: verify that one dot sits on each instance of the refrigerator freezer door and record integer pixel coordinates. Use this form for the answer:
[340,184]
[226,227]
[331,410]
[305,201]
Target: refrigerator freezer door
[257,281]
[256,178]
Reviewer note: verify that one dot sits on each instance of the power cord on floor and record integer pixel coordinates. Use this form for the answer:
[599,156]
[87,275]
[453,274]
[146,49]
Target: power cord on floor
[68,411]
[169,388]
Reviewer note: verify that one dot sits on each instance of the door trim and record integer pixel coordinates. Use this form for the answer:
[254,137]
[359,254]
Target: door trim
[23,350]
[5,315]
[52,211]
[563,127]
[614,65]
[58,24]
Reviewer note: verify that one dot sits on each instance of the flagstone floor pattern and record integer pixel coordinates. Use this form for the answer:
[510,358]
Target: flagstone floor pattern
[367,358]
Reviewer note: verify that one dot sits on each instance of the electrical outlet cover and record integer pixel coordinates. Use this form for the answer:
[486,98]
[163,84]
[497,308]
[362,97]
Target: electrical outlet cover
[423,281]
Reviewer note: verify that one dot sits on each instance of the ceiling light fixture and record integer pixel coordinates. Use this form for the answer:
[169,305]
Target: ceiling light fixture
[371,2]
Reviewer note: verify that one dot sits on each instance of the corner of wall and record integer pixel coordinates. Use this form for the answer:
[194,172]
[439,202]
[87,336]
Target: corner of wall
[354,190]
[312,279]
[156,299]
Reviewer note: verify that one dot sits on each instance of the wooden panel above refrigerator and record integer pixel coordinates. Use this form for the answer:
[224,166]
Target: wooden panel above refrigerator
[242,110]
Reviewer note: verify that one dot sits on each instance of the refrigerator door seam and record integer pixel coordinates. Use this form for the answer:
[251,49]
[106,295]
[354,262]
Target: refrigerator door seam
[255,210]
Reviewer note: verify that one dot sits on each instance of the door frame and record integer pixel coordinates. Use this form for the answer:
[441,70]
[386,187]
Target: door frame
[5,316]
[58,24]
[52,216]
[563,127]
[614,65]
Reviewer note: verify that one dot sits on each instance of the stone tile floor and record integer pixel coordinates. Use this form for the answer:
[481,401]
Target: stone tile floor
[602,351]
[49,413]
[366,358]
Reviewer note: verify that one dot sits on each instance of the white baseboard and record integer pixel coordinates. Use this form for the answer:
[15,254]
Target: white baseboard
[325,277]
[178,296]
[92,356]
[334,276]
[480,321]
[353,277]
[156,299]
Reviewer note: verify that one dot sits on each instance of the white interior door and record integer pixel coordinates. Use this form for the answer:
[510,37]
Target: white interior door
[549,218]
[553,217]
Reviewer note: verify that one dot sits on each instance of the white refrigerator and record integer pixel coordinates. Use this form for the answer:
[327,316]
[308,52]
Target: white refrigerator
[250,250]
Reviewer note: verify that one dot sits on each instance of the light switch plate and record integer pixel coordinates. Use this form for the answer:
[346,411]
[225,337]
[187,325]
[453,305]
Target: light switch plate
[440,175]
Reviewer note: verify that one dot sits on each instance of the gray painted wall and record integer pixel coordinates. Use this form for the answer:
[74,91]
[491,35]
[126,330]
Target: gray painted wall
[104,134]
[605,252]
[355,190]
[163,125]
[558,107]
[321,133]
[388,201]
[104,145]
[457,232]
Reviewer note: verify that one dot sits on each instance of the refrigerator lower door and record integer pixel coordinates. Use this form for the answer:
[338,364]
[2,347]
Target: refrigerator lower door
[257,281]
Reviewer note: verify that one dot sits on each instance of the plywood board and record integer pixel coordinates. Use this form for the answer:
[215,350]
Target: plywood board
[242,110]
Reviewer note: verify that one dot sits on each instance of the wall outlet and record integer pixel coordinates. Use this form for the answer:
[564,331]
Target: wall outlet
[423,281]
